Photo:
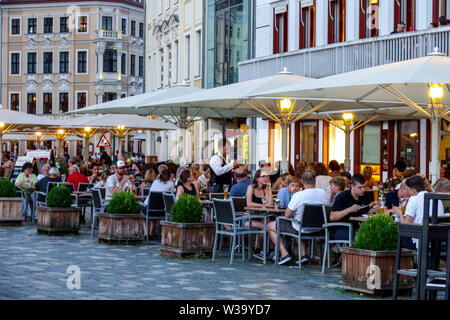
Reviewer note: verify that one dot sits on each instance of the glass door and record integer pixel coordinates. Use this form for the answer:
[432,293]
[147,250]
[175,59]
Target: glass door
[308,150]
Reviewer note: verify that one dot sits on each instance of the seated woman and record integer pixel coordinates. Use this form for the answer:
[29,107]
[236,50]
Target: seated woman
[337,185]
[161,184]
[367,173]
[149,177]
[285,194]
[95,176]
[26,182]
[101,180]
[259,194]
[186,184]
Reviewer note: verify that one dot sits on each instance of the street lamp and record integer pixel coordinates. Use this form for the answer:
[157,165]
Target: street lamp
[38,138]
[436,92]
[348,119]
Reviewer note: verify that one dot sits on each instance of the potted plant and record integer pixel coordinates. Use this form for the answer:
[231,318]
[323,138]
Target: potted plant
[58,216]
[123,221]
[10,204]
[185,234]
[369,266]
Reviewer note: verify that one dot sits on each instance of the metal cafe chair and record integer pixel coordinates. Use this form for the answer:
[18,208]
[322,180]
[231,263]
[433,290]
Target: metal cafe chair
[314,218]
[226,216]
[155,209]
[98,207]
[169,200]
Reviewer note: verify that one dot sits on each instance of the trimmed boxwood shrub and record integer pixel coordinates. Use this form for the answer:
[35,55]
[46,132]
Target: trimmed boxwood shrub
[377,233]
[123,203]
[187,210]
[7,189]
[59,197]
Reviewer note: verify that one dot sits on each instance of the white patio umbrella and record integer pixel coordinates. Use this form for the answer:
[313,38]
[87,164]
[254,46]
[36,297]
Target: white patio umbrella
[117,124]
[15,120]
[421,84]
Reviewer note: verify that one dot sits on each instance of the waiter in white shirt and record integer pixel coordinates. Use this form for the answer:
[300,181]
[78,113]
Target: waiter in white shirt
[220,169]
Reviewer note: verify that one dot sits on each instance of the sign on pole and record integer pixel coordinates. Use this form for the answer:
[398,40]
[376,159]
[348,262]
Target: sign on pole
[103,142]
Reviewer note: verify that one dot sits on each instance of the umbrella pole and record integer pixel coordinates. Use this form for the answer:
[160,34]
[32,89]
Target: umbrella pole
[347,149]
[61,148]
[435,144]
[86,149]
[284,147]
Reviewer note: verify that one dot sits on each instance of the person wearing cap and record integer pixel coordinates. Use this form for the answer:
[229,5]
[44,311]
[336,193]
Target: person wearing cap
[220,169]
[119,181]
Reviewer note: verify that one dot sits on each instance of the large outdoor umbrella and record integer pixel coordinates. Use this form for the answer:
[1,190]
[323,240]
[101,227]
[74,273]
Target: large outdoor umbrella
[117,124]
[131,105]
[15,120]
[421,84]
[242,100]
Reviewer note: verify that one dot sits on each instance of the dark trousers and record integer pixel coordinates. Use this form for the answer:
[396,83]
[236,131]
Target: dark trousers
[216,188]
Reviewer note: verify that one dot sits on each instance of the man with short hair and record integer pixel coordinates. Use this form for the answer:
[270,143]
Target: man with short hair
[75,177]
[220,169]
[310,195]
[242,182]
[117,182]
[401,26]
[415,207]
[352,202]
[44,172]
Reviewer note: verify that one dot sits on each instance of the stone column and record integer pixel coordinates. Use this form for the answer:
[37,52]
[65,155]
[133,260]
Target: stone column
[100,50]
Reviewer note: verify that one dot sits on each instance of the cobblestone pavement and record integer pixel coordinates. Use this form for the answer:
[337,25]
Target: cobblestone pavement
[33,266]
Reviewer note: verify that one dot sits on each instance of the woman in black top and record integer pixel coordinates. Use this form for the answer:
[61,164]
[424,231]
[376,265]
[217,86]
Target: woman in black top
[186,184]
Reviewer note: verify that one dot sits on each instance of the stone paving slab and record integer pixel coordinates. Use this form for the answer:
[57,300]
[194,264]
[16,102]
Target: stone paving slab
[34,266]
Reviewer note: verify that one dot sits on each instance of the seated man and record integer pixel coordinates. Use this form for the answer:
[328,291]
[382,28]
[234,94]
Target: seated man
[242,182]
[119,181]
[75,177]
[310,195]
[354,201]
[415,207]
[392,198]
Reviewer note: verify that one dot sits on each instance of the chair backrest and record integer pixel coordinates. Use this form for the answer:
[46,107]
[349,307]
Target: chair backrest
[156,203]
[83,187]
[50,185]
[224,211]
[145,191]
[314,216]
[169,200]
[239,203]
[102,192]
[216,196]
[68,185]
[97,197]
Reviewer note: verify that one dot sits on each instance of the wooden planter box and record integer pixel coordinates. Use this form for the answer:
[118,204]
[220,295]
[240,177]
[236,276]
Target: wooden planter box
[121,228]
[58,220]
[11,211]
[356,271]
[184,239]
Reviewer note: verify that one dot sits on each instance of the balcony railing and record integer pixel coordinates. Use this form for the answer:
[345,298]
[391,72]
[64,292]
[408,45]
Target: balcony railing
[109,35]
[349,56]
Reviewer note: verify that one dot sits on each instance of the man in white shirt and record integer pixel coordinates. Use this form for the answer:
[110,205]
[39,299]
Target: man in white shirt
[117,182]
[310,195]
[415,207]
[220,169]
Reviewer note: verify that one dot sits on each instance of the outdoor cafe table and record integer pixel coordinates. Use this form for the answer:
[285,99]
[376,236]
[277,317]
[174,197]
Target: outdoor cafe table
[264,213]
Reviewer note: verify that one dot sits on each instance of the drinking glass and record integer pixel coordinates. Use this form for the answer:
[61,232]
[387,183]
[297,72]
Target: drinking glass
[381,204]
[264,200]
[225,191]
[403,205]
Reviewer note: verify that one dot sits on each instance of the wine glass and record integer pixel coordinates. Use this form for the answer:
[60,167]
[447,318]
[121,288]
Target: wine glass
[264,201]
